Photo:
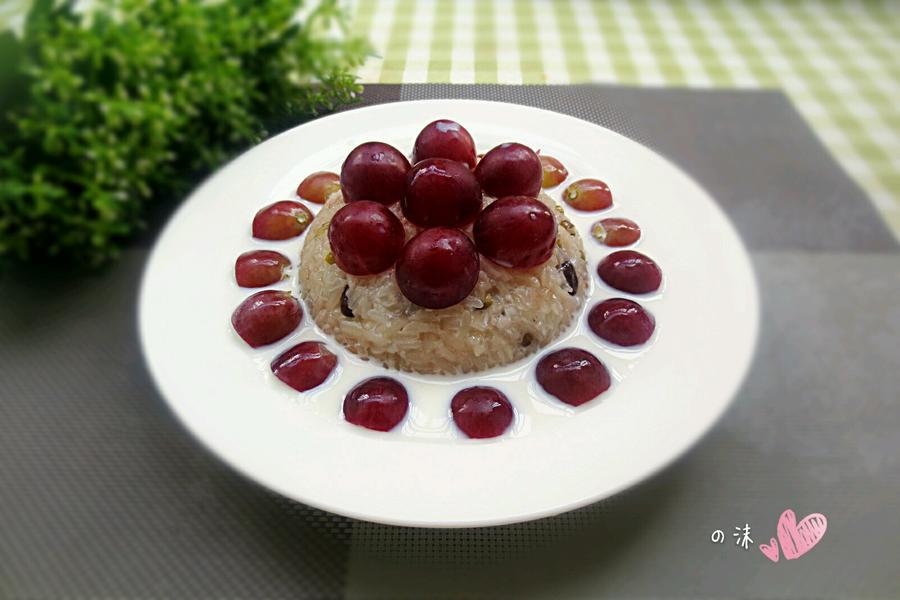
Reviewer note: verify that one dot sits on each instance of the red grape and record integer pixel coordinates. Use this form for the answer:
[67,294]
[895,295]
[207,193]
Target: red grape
[481,412]
[554,172]
[259,268]
[281,220]
[445,139]
[266,317]
[318,186]
[366,238]
[438,268]
[588,194]
[620,321]
[630,271]
[379,403]
[572,375]
[516,231]
[510,170]
[616,232]
[374,171]
[305,365]
[441,193]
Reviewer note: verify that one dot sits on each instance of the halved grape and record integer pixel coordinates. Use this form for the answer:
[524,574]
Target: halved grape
[481,412]
[379,403]
[620,321]
[554,173]
[365,237]
[305,365]
[374,171]
[630,271]
[258,268]
[516,231]
[572,375]
[318,186]
[266,317]
[282,220]
[616,232]
[588,195]
[510,170]
[441,193]
[437,268]
[445,139]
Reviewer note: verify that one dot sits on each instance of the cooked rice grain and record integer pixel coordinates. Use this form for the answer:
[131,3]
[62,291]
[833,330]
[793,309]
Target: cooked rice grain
[509,315]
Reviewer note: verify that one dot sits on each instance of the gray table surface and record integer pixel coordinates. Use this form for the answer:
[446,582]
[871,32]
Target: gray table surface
[103,494]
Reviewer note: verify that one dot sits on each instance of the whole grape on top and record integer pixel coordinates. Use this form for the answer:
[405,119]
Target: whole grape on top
[516,232]
[366,238]
[439,267]
[445,139]
[510,170]
[374,171]
[441,193]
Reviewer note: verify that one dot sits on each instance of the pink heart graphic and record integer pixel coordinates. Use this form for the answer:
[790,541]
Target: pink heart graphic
[799,538]
[770,550]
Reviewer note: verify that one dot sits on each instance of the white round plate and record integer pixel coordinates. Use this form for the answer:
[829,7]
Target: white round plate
[663,399]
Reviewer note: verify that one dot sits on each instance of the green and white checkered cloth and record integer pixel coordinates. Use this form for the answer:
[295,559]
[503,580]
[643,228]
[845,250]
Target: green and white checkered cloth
[838,60]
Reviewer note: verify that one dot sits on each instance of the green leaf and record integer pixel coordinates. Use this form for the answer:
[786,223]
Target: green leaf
[105,113]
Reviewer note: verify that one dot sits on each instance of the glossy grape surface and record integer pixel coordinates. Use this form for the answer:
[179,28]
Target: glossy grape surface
[516,231]
[438,268]
[572,375]
[441,193]
[266,317]
[304,366]
[616,232]
[281,221]
[588,195]
[374,171]
[379,403]
[445,139]
[481,412]
[259,268]
[554,172]
[365,237]
[318,186]
[510,170]
[630,271]
[622,322]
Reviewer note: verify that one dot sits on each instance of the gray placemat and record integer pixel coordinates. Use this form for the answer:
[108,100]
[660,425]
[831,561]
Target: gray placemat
[103,494]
